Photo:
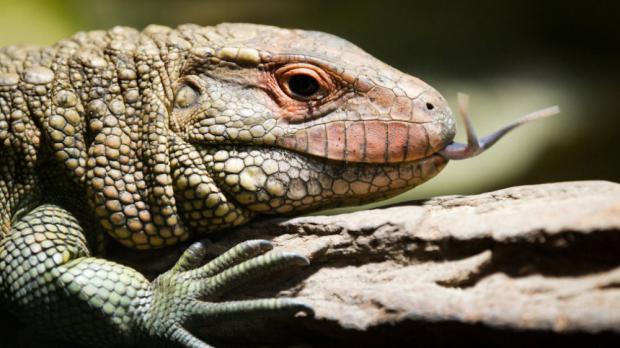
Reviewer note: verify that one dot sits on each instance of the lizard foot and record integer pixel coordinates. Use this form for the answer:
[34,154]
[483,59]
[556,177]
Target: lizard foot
[184,296]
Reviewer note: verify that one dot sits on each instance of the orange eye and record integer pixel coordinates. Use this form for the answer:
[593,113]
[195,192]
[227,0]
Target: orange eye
[304,81]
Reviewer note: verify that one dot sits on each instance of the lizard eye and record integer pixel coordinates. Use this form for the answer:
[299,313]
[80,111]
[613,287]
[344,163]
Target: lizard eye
[303,85]
[186,96]
[304,81]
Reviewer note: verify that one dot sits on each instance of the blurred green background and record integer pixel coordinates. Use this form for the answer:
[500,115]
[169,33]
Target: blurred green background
[511,57]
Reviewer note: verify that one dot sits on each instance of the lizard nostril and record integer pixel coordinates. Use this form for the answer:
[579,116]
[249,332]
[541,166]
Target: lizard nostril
[429,106]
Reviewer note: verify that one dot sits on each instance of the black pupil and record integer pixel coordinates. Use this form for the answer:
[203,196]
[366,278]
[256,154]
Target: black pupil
[303,85]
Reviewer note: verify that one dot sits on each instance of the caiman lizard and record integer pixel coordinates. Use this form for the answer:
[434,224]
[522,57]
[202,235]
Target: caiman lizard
[161,136]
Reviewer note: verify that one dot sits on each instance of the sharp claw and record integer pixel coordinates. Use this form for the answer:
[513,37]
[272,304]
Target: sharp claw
[237,310]
[260,244]
[199,246]
[304,308]
[192,257]
[299,259]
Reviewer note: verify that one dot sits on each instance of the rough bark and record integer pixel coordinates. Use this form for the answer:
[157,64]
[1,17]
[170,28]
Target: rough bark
[525,266]
[531,264]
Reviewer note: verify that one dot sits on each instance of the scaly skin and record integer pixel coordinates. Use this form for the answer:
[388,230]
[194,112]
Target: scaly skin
[162,136]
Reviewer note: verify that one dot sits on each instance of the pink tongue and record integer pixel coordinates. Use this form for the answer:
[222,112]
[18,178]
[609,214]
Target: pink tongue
[475,145]
[372,141]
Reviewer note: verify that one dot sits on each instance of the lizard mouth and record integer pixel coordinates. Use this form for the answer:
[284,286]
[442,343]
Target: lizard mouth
[373,141]
[475,145]
[436,157]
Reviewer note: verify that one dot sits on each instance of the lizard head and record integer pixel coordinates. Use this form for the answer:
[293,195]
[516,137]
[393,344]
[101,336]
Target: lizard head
[292,120]
[205,127]
[282,121]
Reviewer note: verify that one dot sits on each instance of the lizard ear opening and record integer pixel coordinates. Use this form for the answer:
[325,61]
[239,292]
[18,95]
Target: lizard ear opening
[187,93]
[186,97]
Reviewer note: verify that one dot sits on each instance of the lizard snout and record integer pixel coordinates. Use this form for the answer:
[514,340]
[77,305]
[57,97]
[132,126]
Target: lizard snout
[386,124]
[438,122]
[419,122]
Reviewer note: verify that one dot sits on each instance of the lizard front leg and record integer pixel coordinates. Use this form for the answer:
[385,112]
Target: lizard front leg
[50,280]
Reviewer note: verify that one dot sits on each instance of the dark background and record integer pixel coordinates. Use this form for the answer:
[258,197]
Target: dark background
[511,57]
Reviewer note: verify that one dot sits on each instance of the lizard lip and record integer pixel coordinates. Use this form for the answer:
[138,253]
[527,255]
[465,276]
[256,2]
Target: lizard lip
[378,142]
[435,157]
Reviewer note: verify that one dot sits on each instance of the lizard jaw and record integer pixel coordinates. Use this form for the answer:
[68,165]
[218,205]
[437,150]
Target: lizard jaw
[274,180]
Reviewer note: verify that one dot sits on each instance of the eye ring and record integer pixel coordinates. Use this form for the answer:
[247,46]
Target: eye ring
[304,82]
[186,95]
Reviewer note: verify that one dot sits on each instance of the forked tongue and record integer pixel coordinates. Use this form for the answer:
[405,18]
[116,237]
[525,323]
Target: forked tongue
[475,145]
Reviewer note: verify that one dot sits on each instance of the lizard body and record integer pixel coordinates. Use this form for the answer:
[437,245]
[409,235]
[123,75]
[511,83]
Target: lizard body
[163,136]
